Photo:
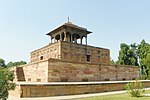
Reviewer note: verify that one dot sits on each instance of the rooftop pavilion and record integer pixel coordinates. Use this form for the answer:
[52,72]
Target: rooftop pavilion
[70,33]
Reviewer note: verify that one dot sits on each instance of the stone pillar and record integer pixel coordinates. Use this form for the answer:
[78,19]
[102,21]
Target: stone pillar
[65,37]
[59,52]
[60,37]
[55,39]
[71,38]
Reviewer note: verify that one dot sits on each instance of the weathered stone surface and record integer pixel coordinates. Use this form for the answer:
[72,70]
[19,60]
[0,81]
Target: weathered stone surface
[65,88]
[54,70]
[71,52]
[32,72]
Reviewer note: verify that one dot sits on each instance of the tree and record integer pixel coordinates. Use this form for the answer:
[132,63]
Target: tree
[147,61]
[123,59]
[2,63]
[18,63]
[143,53]
[133,55]
[6,82]
[127,55]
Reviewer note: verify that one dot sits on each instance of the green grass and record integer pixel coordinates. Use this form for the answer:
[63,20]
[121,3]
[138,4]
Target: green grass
[118,97]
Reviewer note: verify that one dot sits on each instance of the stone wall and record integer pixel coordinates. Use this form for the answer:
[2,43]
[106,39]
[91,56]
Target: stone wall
[49,51]
[71,52]
[78,53]
[55,70]
[68,88]
[59,70]
[35,72]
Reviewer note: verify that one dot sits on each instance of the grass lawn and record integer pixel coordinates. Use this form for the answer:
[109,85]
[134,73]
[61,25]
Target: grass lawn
[118,97]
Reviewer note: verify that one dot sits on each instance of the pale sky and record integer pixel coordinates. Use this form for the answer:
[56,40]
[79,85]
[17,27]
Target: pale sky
[24,23]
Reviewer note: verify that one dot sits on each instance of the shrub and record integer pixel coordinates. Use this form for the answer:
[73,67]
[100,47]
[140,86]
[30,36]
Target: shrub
[6,83]
[135,89]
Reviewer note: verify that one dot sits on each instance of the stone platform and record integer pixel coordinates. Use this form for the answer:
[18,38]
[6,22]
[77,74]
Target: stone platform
[39,89]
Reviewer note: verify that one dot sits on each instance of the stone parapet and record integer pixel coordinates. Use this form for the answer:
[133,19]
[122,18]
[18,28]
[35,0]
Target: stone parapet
[57,70]
[60,71]
[25,89]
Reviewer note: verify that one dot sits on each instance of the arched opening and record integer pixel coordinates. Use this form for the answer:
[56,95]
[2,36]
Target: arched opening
[76,38]
[57,37]
[84,40]
[78,41]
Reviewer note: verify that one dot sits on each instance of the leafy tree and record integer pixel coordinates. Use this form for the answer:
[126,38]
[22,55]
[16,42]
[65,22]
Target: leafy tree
[123,59]
[133,54]
[127,55]
[147,61]
[2,63]
[143,53]
[6,82]
[18,63]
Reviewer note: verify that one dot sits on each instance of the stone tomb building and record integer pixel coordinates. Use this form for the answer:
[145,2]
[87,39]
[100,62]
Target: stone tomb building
[68,58]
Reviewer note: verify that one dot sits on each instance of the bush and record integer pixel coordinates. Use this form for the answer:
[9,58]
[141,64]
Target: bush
[145,77]
[6,83]
[135,89]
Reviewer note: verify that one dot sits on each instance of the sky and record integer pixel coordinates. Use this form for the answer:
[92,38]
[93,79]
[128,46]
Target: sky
[24,23]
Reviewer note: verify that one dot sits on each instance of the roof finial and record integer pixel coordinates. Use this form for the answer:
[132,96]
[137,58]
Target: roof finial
[68,19]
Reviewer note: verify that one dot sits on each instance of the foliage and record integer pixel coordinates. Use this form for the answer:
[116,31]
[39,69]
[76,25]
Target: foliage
[6,83]
[137,55]
[127,55]
[112,61]
[135,89]
[2,63]
[11,64]
[143,53]
[147,60]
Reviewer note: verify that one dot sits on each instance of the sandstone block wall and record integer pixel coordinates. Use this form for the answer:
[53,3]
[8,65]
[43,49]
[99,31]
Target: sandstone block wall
[65,71]
[71,52]
[55,70]
[119,72]
[49,51]
[78,53]
[36,72]
[66,88]
[59,70]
